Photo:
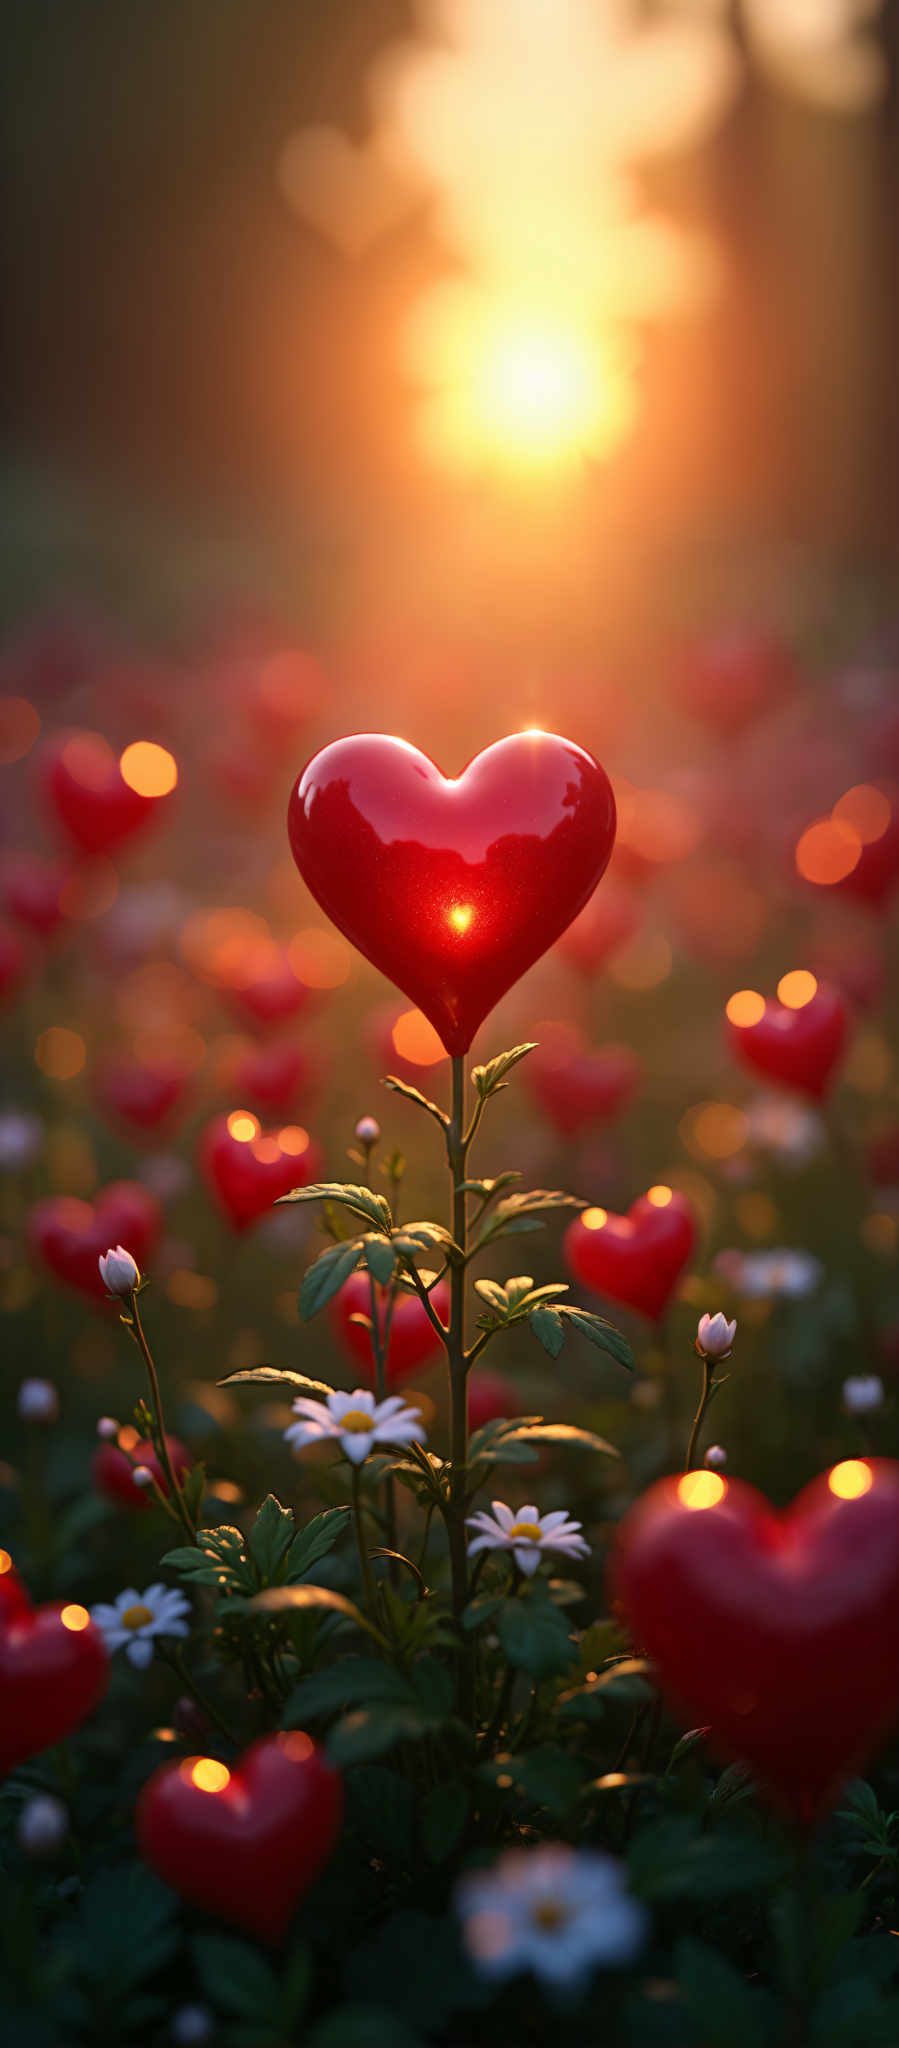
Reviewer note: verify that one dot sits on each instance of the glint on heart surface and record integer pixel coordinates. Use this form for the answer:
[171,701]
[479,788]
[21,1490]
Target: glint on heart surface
[776,1631]
[452,887]
[246,1841]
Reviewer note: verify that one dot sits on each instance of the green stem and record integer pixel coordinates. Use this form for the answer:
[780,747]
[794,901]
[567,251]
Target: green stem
[380,1349]
[369,1588]
[457,1143]
[708,1381]
[176,1663]
[159,1419]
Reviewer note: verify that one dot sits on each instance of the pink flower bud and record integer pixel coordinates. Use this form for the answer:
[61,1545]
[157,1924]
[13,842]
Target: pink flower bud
[715,1457]
[862,1393]
[368,1131]
[715,1336]
[107,1428]
[118,1271]
[142,1476]
[43,1825]
[38,1401]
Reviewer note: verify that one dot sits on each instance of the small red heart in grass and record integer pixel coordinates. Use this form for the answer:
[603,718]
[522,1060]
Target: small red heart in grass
[247,1169]
[578,1086]
[453,888]
[113,1473]
[33,892]
[413,1340]
[270,993]
[83,785]
[635,1259]
[144,1095]
[54,1667]
[70,1236]
[776,1631]
[797,1042]
[14,963]
[246,1842]
[271,1077]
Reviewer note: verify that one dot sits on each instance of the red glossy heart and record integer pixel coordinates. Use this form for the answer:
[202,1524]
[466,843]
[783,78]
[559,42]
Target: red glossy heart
[778,1632]
[270,993]
[113,1473]
[70,1236]
[453,888]
[799,1048]
[250,1850]
[576,1086]
[143,1094]
[611,918]
[247,1173]
[54,1667]
[635,1259]
[413,1340]
[85,788]
[13,963]
[13,1597]
[32,891]
[271,1076]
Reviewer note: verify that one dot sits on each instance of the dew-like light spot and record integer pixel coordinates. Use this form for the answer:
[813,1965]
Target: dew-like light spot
[243,1126]
[595,1219]
[75,1618]
[850,1479]
[659,1197]
[701,1489]
[208,1774]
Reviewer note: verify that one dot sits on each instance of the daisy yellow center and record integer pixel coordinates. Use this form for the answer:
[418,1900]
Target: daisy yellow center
[137,1616]
[357,1420]
[548,1915]
[531,1530]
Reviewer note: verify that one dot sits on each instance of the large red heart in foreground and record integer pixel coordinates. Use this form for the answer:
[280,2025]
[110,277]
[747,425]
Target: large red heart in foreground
[636,1259]
[413,1340]
[246,1843]
[70,1236]
[799,1047]
[778,1632]
[54,1667]
[452,887]
[247,1169]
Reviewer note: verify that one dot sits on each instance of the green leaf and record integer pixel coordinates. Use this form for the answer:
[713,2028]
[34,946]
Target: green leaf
[487,1190]
[674,1860]
[548,1776]
[415,1095]
[496,1296]
[301,1599]
[625,1680]
[271,1537]
[560,1433]
[236,1978]
[193,1487]
[362,1201]
[444,1813]
[728,2012]
[354,1681]
[480,1609]
[315,1541]
[604,1335]
[685,1746]
[369,1732]
[363,2026]
[535,1635]
[326,1276]
[380,1259]
[271,1375]
[487,1080]
[548,1328]
[483,1439]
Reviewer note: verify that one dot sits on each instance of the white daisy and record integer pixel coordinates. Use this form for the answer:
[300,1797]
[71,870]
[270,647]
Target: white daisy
[555,1910]
[356,1421]
[526,1534]
[135,1618]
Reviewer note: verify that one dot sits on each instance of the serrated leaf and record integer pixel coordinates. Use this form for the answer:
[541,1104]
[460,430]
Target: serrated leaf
[362,1201]
[548,1328]
[491,1292]
[487,1189]
[380,1259]
[604,1335]
[315,1541]
[487,1079]
[415,1095]
[535,1635]
[482,1439]
[303,1599]
[270,1375]
[326,1276]
[271,1537]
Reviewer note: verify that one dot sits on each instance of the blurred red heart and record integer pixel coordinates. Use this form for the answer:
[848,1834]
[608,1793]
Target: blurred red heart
[490,1395]
[413,1340]
[799,1047]
[635,1259]
[271,991]
[32,891]
[13,1597]
[453,888]
[84,786]
[143,1094]
[113,1473]
[247,1842]
[734,677]
[287,688]
[579,1086]
[775,1631]
[70,1236]
[245,1173]
[611,918]
[271,1076]
[876,872]
[54,1667]
[13,962]
[882,1157]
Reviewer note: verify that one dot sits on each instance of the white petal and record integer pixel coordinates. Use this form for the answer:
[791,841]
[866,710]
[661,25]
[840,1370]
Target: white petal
[340,1404]
[527,1558]
[487,1543]
[503,1514]
[301,1433]
[173,1628]
[553,1521]
[315,1411]
[140,1652]
[356,1444]
[528,1514]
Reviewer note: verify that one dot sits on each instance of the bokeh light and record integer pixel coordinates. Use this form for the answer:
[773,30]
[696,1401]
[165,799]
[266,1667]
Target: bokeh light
[75,1618]
[797,988]
[207,1774]
[149,769]
[850,1479]
[828,851]
[60,1053]
[20,724]
[745,1008]
[701,1489]
[415,1040]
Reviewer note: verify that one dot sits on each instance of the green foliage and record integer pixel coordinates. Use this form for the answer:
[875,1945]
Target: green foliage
[489,1079]
[415,1095]
[534,1633]
[325,1277]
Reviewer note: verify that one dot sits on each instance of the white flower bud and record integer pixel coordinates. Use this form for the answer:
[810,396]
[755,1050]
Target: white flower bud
[43,1825]
[118,1271]
[38,1401]
[191,2024]
[107,1428]
[715,1457]
[142,1475]
[862,1393]
[715,1336]
[368,1131]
